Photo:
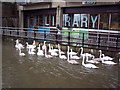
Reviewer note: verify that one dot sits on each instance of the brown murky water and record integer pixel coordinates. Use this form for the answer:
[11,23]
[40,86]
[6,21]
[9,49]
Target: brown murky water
[33,71]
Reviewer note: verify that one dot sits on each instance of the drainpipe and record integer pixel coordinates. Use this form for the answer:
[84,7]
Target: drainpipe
[21,18]
[59,15]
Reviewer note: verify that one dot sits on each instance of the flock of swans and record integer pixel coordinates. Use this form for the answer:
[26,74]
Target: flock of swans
[71,56]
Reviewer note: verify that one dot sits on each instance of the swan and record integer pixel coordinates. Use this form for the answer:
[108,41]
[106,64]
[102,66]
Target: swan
[34,42]
[55,50]
[30,47]
[74,57]
[44,46]
[19,45]
[47,56]
[72,53]
[86,54]
[50,50]
[71,61]
[107,57]
[40,52]
[88,65]
[92,61]
[20,53]
[61,56]
[31,52]
[108,62]
[60,50]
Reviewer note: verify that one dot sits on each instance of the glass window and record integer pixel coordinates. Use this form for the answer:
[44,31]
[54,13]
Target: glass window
[104,21]
[40,20]
[37,20]
[115,19]
[31,21]
[93,24]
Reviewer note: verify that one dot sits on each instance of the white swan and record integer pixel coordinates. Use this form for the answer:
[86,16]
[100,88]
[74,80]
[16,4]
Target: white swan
[71,61]
[60,49]
[47,56]
[40,52]
[55,50]
[88,65]
[44,46]
[61,56]
[34,43]
[98,59]
[108,62]
[50,50]
[18,45]
[86,54]
[72,53]
[31,52]
[91,61]
[30,47]
[20,53]
[107,57]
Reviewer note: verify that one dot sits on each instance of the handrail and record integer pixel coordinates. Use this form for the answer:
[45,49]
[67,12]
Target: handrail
[85,39]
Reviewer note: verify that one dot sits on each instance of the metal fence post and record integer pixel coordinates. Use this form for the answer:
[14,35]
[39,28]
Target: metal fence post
[117,41]
[68,38]
[56,38]
[83,40]
[98,40]
[44,34]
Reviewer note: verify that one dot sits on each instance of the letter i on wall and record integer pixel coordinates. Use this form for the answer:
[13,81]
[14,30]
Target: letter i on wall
[46,21]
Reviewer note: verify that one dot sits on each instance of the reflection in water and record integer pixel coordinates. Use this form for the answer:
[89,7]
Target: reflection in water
[34,71]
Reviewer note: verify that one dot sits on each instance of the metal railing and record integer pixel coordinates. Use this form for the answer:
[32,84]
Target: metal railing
[97,40]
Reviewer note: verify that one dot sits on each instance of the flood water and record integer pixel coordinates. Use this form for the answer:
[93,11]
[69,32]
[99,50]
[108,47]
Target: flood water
[33,71]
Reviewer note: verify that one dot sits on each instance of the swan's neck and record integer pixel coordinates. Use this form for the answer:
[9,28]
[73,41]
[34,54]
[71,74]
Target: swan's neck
[59,53]
[83,61]
[19,50]
[45,51]
[81,51]
[87,58]
[100,54]
[44,43]
[68,54]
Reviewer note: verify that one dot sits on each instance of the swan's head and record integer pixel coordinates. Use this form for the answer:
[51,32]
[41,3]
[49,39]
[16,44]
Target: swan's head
[68,46]
[27,43]
[100,51]
[81,48]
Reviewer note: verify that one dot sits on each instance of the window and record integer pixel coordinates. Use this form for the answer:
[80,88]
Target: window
[40,20]
[31,21]
[115,21]
[104,21]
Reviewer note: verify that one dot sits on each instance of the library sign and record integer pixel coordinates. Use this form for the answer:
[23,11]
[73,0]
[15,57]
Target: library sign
[82,22]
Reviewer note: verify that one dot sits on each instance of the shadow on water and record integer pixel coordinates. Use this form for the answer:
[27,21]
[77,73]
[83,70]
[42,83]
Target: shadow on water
[34,71]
